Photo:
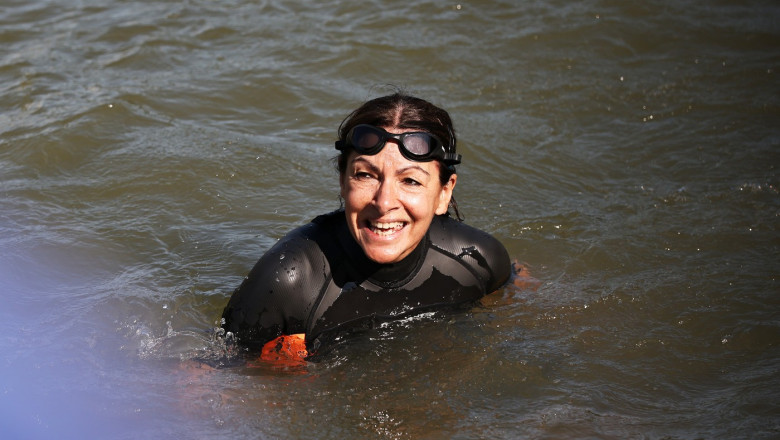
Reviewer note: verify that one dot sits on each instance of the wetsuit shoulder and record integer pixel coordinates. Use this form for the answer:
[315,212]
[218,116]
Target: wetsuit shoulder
[276,296]
[482,252]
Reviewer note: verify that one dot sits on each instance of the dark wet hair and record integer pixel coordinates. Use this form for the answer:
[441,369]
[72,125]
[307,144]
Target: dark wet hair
[400,110]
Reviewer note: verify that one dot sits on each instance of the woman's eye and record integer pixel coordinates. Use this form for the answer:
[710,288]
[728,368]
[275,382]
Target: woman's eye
[362,175]
[410,181]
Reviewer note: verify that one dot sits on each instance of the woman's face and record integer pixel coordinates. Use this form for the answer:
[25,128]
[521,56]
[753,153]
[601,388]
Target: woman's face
[390,201]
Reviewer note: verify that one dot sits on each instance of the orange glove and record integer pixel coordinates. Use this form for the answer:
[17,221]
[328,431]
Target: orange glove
[285,351]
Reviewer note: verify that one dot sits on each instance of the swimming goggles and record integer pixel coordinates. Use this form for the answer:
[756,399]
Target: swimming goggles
[418,146]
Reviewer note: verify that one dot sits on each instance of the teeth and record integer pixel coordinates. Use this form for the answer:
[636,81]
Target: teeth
[386,228]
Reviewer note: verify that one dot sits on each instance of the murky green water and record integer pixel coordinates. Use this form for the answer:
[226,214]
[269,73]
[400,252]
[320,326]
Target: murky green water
[151,151]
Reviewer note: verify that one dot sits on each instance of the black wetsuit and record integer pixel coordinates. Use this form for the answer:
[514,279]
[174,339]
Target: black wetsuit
[317,280]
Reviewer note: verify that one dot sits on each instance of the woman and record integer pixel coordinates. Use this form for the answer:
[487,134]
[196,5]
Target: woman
[391,252]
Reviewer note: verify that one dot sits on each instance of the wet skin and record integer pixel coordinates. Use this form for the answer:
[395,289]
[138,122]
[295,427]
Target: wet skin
[390,201]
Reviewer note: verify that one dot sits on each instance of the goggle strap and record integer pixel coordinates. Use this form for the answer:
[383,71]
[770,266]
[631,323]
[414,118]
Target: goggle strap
[452,158]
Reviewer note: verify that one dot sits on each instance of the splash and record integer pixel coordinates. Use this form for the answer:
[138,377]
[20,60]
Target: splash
[213,345]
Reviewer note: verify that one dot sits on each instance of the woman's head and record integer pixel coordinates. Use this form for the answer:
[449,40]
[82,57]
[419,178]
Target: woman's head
[391,195]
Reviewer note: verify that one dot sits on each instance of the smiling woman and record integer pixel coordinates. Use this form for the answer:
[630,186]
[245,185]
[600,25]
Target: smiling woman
[393,251]
[390,201]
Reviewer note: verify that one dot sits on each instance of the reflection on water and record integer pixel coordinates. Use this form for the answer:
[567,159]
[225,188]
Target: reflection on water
[150,152]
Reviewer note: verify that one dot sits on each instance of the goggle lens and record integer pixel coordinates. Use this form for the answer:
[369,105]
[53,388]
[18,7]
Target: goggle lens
[365,138]
[418,144]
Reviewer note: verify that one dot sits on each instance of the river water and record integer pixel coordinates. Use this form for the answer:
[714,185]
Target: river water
[627,152]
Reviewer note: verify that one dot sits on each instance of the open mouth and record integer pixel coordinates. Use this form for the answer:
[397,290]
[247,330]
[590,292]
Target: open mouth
[385,229]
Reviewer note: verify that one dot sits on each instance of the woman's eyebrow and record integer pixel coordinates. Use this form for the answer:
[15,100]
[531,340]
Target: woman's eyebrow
[365,162]
[411,168]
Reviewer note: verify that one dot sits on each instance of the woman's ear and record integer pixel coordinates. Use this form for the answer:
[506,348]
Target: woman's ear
[446,195]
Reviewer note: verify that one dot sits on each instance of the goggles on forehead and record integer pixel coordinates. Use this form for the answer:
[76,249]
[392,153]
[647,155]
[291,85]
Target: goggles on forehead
[418,146]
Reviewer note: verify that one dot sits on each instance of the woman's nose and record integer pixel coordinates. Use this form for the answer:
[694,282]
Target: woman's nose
[386,196]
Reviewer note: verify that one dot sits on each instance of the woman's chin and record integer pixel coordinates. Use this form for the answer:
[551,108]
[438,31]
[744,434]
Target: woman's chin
[383,256]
